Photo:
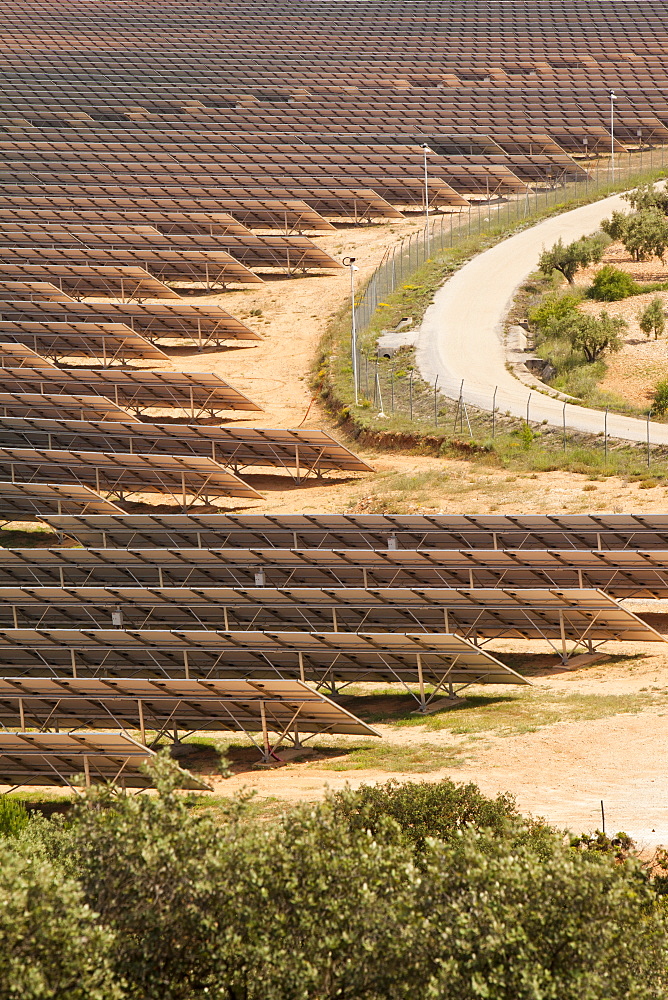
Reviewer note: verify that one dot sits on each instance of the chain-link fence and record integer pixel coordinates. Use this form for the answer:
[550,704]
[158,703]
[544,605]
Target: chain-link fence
[453,229]
[392,390]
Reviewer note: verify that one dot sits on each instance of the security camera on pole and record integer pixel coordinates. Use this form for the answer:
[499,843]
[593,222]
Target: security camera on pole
[350,262]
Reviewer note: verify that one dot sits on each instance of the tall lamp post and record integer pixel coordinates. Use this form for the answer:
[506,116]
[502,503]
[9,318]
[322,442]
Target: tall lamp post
[425,150]
[350,263]
[613,98]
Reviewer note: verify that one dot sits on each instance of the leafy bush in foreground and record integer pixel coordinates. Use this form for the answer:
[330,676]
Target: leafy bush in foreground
[387,893]
[52,946]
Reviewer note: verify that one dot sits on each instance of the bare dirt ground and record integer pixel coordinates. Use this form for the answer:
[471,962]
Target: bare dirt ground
[558,762]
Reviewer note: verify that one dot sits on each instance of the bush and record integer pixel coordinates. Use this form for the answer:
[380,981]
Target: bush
[52,945]
[553,308]
[612,284]
[388,892]
[427,809]
[13,817]
[660,397]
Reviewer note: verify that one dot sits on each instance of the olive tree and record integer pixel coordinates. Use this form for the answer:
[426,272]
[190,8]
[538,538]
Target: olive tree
[568,259]
[652,318]
[644,233]
[594,335]
[648,196]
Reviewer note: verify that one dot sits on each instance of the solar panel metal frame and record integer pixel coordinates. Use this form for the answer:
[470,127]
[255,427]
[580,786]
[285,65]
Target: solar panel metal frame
[125,282]
[288,708]
[208,267]
[623,574]
[185,478]
[108,342]
[15,355]
[204,325]
[38,405]
[32,758]
[33,500]
[308,452]
[582,616]
[373,531]
[448,662]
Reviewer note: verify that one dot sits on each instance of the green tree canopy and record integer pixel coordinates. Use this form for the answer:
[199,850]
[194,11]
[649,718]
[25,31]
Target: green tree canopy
[644,233]
[652,318]
[568,259]
[648,196]
[594,335]
[394,892]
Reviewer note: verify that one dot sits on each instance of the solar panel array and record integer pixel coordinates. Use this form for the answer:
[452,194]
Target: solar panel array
[152,607]
[144,147]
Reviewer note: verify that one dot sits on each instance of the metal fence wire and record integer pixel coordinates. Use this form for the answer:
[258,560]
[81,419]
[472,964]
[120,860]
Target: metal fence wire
[392,386]
[453,229]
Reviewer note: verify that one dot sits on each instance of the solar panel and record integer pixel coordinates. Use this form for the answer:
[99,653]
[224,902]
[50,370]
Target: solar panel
[289,215]
[185,479]
[328,659]
[624,573]
[107,341]
[144,703]
[578,615]
[42,405]
[198,393]
[60,758]
[172,320]
[42,291]
[208,267]
[375,531]
[306,451]
[22,356]
[79,280]
[29,500]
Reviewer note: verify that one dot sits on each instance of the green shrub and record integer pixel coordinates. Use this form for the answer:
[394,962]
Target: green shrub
[553,308]
[53,945]
[660,397]
[612,284]
[13,816]
[424,809]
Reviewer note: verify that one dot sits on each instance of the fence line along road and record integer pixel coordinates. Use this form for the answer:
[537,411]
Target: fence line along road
[461,335]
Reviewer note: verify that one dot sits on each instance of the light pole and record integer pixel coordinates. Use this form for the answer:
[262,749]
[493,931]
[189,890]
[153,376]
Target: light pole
[350,263]
[613,98]
[425,150]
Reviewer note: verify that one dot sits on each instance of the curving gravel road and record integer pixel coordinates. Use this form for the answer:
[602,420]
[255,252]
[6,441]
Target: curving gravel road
[460,336]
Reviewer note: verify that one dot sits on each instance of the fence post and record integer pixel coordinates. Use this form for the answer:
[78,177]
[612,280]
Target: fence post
[436,401]
[605,436]
[380,396]
[649,456]
[392,389]
[564,425]
[494,412]
[410,394]
[528,403]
